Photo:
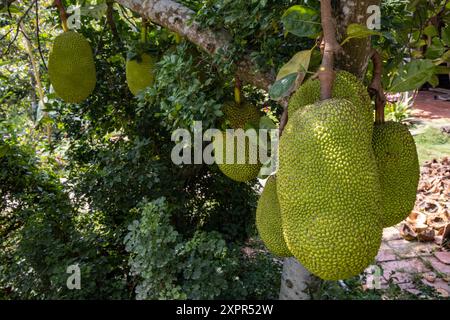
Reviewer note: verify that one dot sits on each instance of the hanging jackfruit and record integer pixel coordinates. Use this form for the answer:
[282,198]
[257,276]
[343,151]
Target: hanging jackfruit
[329,190]
[345,86]
[239,115]
[237,158]
[398,166]
[71,67]
[268,220]
[140,72]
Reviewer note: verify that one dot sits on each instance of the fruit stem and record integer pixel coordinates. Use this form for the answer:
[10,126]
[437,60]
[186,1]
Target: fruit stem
[330,48]
[376,87]
[62,14]
[144,29]
[237,90]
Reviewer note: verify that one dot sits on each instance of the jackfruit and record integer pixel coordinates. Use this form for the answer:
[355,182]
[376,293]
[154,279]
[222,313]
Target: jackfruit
[329,190]
[241,171]
[398,166]
[268,220]
[345,86]
[71,67]
[140,73]
[239,115]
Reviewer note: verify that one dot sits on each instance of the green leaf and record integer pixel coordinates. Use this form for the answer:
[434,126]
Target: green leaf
[430,31]
[267,123]
[357,31]
[298,63]
[412,75]
[442,70]
[435,50]
[282,87]
[446,36]
[302,21]
[434,81]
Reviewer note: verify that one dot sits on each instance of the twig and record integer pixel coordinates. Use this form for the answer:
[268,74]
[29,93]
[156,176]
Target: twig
[18,28]
[330,48]
[110,19]
[38,35]
[376,87]
[284,120]
[237,90]
[125,15]
[62,13]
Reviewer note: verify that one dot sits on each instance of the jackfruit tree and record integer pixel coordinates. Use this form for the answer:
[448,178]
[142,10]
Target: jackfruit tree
[87,170]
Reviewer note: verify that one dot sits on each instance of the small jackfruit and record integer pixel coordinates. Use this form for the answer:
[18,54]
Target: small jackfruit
[239,115]
[71,67]
[268,220]
[237,160]
[398,166]
[345,86]
[329,190]
[140,73]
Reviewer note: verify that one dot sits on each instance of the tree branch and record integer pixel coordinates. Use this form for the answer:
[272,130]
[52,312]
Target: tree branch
[330,48]
[179,19]
[376,88]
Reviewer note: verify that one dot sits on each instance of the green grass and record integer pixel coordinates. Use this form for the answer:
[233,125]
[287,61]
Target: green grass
[432,144]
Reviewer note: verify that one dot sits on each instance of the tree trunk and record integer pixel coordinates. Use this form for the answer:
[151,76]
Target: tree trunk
[296,282]
[356,55]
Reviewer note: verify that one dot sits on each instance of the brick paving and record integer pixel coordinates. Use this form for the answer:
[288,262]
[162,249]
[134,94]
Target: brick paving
[403,261]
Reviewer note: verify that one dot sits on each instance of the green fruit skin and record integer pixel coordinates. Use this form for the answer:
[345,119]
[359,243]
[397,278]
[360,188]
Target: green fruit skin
[329,190]
[71,67]
[345,86]
[239,115]
[268,220]
[398,165]
[240,172]
[140,74]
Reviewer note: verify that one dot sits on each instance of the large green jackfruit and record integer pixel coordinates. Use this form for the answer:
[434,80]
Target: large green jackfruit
[140,73]
[329,190]
[268,220]
[71,67]
[234,169]
[345,86]
[398,166]
[239,115]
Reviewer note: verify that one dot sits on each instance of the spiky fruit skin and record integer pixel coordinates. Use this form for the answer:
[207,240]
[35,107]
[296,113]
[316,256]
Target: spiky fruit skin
[239,115]
[71,67]
[268,220]
[345,86]
[240,172]
[140,73]
[399,169]
[329,190]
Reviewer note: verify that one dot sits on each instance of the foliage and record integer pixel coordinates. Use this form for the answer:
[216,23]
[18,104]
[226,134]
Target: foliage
[171,266]
[398,107]
[42,235]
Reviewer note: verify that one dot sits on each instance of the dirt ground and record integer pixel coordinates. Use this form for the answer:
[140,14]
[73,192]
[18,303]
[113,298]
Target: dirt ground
[426,107]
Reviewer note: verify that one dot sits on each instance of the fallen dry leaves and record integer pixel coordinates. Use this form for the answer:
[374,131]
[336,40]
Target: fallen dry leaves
[430,219]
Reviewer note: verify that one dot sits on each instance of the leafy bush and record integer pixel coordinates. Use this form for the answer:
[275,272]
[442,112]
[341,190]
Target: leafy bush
[170,266]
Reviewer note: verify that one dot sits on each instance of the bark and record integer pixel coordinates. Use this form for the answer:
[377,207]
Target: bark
[297,283]
[178,18]
[356,53]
